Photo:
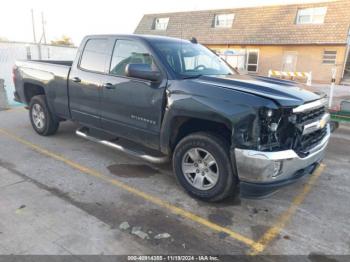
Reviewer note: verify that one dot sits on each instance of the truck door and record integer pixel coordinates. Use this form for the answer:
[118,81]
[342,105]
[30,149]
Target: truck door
[85,81]
[130,107]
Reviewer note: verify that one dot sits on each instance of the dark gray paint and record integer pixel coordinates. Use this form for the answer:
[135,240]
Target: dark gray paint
[124,109]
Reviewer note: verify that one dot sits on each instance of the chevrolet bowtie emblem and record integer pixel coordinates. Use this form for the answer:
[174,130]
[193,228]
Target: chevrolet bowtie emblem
[319,124]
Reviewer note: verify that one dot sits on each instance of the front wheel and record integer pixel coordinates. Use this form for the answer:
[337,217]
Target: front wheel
[202,166]
[42,120]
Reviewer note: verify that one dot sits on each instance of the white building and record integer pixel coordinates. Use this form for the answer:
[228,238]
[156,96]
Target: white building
[12,51]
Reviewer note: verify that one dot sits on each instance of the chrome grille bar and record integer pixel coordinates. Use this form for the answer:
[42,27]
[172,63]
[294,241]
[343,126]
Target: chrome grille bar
[310,106]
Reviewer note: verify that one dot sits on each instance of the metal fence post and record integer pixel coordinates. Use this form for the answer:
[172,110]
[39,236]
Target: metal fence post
[309,79]
[3,97]
[331,91]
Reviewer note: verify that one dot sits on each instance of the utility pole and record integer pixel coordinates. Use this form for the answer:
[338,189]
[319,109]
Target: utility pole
[33,24]
[43,25]
[34,36]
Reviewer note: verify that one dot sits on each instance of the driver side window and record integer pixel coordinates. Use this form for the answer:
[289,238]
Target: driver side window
[128,52]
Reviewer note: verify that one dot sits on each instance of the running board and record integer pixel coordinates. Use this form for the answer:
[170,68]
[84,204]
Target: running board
[135,153]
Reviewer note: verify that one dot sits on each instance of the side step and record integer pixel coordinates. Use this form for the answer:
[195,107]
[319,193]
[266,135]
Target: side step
[136,153]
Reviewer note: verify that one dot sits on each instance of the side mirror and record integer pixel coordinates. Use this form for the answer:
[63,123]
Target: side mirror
[142,71]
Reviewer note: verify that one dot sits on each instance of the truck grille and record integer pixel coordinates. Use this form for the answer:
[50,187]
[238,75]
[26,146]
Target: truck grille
[306,142]
[311,115]
[311,140]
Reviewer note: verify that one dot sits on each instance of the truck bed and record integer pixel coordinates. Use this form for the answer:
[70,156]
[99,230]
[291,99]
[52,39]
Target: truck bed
[55,62]
[44,64]
[51,76]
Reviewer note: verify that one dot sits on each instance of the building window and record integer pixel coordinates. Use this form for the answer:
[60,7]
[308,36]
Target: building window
[241,59]
[311,15]
[329,57]
[224,20]
[161,23]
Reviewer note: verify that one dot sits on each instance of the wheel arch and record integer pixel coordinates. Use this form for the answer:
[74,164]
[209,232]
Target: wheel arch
[31,90]
[182,125]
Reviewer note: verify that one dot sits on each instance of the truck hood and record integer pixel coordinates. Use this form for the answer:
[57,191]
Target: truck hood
[283,92]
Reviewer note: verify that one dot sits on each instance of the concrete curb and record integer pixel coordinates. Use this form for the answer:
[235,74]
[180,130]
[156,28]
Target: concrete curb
[3,97]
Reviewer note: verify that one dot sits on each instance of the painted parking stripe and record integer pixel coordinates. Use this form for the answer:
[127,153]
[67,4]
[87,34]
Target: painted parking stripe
[257,247]
[286,216]
[16,108]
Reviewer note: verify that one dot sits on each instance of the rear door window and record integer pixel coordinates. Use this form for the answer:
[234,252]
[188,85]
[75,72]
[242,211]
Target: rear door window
[95,55]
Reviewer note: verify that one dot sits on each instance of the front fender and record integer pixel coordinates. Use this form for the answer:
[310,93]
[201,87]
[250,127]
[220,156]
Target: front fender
[184,105]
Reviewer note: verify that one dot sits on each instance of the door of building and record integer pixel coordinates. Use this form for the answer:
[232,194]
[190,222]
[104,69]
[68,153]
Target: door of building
[289,61]
[252,60]
[347,67]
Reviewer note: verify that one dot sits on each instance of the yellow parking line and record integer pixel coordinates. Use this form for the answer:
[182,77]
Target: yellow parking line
[286,216]
[257,247]
[14,109]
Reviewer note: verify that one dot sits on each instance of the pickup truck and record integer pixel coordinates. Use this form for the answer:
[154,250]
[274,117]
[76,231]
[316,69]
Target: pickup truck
[176,100]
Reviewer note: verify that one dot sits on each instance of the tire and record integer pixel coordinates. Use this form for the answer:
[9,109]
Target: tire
[206,189]
[42,120]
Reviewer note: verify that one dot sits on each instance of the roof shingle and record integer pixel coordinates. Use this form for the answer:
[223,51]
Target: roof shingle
[268,25]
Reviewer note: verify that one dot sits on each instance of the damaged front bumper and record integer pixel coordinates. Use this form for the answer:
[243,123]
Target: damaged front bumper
[261,173]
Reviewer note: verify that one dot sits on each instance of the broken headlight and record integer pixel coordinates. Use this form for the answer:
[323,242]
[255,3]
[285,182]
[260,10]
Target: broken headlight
[244,135]
[269,123]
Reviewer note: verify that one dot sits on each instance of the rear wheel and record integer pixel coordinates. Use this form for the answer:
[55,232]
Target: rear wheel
[202,166]
[43,122]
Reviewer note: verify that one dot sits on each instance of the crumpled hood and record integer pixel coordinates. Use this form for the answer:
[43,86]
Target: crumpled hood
[283,92]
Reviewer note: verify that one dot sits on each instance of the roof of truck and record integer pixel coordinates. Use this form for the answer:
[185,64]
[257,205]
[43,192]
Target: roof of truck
[149,38]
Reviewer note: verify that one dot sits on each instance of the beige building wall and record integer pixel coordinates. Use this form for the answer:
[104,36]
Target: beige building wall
[309,58]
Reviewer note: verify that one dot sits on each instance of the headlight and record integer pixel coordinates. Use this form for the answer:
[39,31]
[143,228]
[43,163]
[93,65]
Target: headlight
[265,113]
[269,113]
[269,121]
[273,127]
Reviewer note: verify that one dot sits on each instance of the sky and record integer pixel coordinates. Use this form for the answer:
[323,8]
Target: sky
[77,18]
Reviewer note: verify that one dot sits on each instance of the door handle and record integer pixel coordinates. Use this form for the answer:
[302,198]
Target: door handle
[108,86]
[76,79]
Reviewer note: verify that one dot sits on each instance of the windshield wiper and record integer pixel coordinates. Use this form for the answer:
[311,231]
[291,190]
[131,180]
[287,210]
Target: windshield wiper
[192,76]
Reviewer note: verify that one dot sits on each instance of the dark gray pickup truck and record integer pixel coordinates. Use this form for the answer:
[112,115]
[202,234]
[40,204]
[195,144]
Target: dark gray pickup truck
[162,98]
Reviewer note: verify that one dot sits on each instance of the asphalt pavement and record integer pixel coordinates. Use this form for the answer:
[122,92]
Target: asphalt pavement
[65,195]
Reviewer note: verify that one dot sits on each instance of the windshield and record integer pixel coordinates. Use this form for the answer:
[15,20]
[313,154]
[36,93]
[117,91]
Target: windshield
[191,60]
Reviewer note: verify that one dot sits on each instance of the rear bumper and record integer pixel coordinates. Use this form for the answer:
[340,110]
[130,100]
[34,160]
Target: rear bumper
[261,173]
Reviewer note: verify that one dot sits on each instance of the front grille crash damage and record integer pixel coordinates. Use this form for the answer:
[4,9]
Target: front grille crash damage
[279,129]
